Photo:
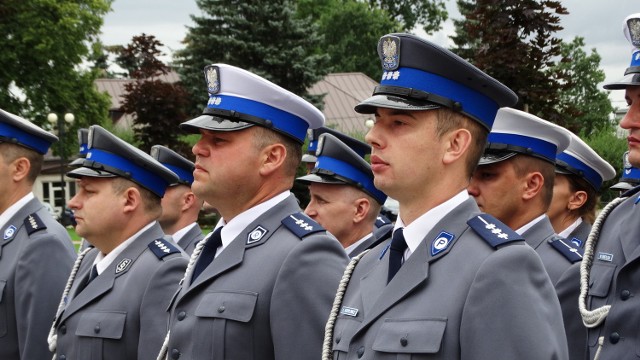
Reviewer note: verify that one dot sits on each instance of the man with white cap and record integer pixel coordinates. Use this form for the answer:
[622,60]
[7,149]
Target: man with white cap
[36,253]
[443,288]
[261,285]
[609,279]
[630,176]
[514,182]
[344,199]
[114,304]
[180,206]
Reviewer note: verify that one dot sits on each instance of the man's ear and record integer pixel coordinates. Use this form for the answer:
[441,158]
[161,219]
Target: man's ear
[459,142]
[20,168]
[132,199]
[273,157]
[362,206]
[533,185]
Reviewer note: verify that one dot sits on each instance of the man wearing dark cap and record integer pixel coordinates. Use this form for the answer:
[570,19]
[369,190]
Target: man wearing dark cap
[344,199]
[180,206]
[114,305]
[609,275]
[36,253]
[630,176]
[361,148]
[443,288]
[262,283]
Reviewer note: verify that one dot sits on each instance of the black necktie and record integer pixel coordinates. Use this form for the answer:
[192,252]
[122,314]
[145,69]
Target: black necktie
[208,253]
[396,252]
[93,274]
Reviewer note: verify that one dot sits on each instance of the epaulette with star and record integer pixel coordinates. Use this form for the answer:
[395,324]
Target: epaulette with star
[301,225]
[161,248]
[33,223]
[493,230]
[572,253]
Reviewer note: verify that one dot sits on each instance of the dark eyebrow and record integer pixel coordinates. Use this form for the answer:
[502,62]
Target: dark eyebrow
[395,112]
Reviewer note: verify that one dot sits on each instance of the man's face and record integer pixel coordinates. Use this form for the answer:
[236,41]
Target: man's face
[172,205]
[406,152]
[333,207]
[97,208]
[226,167]
[631,122]
[497,189]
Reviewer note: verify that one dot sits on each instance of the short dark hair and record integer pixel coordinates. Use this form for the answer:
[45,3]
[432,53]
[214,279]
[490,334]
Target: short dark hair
[524,164]
[150,201]
[11,152]
[264,137]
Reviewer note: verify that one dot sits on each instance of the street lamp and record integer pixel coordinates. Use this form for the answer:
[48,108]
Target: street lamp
[53,120]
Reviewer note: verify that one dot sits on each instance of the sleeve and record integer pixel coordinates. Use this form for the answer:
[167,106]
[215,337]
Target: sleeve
[41,275]
[303,295]
[512,311]
[154,317]
[568,290]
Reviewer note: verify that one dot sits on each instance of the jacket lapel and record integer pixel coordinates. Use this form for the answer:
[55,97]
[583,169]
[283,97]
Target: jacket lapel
[378,297]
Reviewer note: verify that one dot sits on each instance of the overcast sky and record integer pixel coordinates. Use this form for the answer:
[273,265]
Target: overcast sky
[599,22]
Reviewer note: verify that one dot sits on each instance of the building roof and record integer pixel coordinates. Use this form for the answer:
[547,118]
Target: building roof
[343,92]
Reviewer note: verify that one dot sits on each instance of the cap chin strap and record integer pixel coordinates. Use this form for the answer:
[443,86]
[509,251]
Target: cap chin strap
[593,318]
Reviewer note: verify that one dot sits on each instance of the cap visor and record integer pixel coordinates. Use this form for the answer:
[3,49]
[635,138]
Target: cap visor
[369,105]
[87,172]
[313,178]
[495,157]
[622,186]
[308,158]
[208,122]
[632,79]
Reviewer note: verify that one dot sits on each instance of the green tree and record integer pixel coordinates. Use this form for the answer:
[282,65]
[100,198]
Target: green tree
[410,13]
[350,31]
[155,104]
[264,37]
[513,41]
[583,106]
[43,44]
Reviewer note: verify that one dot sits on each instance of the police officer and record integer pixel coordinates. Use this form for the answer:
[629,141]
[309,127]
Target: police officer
[580,172]
[262,283]
[609,283]
[440,289]
[630,176]
[180,206]
[36,253]
[514,182]
[344,199]
[114,306]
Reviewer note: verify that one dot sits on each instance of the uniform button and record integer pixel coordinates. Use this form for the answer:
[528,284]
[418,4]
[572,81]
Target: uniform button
[182,315]
[404,341]
[614,337]
[221,309]
[96,329]
[63,329]
[175,354]
[360,352]
[625,294]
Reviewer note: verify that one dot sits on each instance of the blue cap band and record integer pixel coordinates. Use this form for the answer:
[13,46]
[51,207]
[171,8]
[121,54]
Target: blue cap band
[281,120]
[474,103]
[15,135]
[137,173]
[184,175]
[83,149]
[313,146]
[592,176]
[348,171]
[539,147]
[630,174]
[635,58]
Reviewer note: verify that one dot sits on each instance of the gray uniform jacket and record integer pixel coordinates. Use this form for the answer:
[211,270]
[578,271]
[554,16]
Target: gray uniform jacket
[266,296]
[121,314]
[469,301]
[614,280]
[36,256]
[580,234]
[565,276]
[379,235]
[190,239]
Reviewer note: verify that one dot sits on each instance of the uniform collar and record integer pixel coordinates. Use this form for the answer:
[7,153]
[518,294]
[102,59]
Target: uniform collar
[566,232]
[13,209]
[178,235]
[103,261]
[530,224]
[353,246]
[415,232]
